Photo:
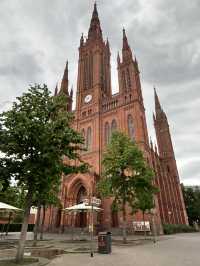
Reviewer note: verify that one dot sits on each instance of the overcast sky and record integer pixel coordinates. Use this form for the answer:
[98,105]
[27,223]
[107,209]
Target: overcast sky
[37,37]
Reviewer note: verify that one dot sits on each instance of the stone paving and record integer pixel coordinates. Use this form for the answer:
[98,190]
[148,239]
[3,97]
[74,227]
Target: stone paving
[177,250]
[174,250]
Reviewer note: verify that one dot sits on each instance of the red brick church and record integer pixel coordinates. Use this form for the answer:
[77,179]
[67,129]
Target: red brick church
[98,112]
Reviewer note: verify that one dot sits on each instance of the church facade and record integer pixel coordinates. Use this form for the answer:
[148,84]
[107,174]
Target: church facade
[97,114]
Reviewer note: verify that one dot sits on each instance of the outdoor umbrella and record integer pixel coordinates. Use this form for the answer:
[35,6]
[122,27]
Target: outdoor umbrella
[7,208]
[82,207]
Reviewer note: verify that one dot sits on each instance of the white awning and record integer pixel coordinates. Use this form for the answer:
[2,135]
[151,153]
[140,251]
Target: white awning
[7,207]
[82,207]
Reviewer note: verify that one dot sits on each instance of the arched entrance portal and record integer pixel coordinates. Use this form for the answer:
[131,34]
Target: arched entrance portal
[81,217]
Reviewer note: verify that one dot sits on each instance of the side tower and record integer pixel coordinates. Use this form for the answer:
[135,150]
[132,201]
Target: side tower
[131,96]
[174,206]
[64,89]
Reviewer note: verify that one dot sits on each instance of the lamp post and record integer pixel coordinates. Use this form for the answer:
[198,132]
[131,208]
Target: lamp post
[93,202]
[153,212]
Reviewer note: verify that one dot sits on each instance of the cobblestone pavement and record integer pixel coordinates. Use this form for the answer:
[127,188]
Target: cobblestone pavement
[178,250]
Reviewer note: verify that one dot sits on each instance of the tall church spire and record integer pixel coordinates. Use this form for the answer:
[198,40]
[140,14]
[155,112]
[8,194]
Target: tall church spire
[159,113]
[157,102]
[126,50]
[65,81]
[125,41]
[95,31]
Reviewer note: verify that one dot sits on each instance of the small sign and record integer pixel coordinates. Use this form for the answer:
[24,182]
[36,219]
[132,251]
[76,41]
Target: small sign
[27,253]
[91,228]
[141,226]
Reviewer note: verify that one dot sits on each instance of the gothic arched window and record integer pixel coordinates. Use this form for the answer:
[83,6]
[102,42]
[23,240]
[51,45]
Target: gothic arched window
[143,128]
[83,135]
[128,79]
[131,132]
[113,126]
[89,139]
[107,133]
[91,70]
[124,80]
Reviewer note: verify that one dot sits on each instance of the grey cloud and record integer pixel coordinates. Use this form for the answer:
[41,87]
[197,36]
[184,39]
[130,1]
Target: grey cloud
[37,37]
[191,170]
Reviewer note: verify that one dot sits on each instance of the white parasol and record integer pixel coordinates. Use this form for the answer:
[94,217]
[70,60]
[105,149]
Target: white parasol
[81,208]
[7,207]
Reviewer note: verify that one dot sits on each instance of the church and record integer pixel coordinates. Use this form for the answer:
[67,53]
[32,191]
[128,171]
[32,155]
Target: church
[97,114]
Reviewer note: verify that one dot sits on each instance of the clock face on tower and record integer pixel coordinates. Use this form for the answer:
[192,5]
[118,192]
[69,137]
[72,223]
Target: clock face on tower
[88,98]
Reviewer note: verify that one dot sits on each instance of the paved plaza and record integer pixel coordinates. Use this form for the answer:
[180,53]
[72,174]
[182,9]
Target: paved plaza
[176,250]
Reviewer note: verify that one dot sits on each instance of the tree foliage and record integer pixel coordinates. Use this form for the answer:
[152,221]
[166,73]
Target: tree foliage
[13,195]
[38,145]
[126,176]
[192,203]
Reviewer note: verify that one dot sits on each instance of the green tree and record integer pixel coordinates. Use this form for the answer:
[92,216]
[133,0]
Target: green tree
[192,203]
[124,174]
[4,175]
[13,195]
[145,195]
[38,145]
[46,196]
[49,199]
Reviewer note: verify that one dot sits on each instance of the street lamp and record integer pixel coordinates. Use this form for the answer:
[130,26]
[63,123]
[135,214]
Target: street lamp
[153,213]
[92,202]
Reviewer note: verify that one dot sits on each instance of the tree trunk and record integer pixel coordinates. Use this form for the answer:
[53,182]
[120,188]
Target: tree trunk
[144,225]
[42,225]
[8,224]
[36,227]
[22,240]
[124,223]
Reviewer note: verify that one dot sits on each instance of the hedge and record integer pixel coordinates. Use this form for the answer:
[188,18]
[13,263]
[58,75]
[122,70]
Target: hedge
[177,228]
[16,227]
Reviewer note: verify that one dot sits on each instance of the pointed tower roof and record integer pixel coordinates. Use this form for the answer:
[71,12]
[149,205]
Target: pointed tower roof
[118,58]
[95,31]
[159,113]
[136,64]
[125,41]
[157,102]
[151,143]
[107,44]
[56,90]
[64,83]
[126,50]
[71,92]
[81,40]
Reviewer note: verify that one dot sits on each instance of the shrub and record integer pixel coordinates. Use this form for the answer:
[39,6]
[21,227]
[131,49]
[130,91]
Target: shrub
[177,228]
[16,227]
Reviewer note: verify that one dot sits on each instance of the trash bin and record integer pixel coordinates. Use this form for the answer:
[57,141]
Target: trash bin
[104,242]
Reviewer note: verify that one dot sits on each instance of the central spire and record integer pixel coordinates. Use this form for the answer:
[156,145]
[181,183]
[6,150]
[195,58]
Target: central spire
[95,31]
[125,41]
[126,50]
